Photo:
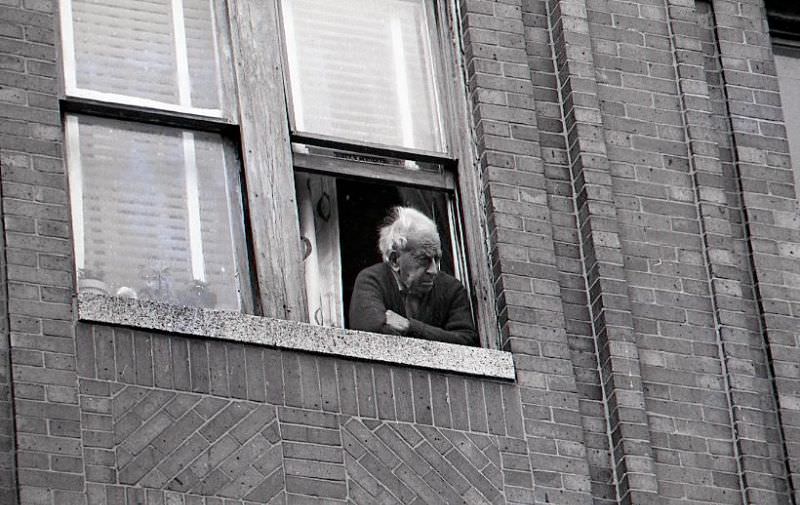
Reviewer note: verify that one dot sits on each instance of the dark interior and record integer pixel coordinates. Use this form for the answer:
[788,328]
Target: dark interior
[363,207]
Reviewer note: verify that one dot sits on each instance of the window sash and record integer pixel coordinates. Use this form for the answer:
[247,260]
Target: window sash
[412,104]
[349,164]
[183,55]
[189,219]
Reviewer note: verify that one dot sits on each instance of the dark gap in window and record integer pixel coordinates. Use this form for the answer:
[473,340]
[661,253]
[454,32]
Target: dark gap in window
[363,207]
[784,19]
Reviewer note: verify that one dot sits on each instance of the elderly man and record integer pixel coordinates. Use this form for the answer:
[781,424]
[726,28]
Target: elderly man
[407,294]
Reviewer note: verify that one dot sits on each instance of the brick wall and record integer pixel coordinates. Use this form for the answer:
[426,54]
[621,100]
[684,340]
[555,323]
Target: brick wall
[644,236]
[197,418]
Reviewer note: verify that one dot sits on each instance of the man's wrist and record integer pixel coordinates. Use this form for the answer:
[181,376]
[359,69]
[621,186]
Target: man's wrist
[414,329]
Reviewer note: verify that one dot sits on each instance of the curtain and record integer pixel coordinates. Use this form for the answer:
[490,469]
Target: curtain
[319,230]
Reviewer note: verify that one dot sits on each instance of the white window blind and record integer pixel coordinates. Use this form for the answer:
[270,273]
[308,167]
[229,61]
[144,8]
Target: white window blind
[155,212]
[163,54]
[365,71]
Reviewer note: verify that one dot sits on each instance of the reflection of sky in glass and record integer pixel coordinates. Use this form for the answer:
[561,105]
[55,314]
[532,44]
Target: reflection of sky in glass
[163,52]
[364,71]
[139,215]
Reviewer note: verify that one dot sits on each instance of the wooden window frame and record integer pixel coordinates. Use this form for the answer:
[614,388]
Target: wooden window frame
[459,160]
[76,102]
[260,125]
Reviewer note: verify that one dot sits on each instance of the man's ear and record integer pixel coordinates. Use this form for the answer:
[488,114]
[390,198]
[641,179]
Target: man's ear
[393,257]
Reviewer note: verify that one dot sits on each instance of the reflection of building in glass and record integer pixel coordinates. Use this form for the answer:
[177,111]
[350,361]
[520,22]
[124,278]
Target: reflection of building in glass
[190,188]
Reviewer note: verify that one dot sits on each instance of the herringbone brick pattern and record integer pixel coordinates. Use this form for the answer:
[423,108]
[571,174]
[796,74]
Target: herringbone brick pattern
[197,444]
[404,463]
[148,444]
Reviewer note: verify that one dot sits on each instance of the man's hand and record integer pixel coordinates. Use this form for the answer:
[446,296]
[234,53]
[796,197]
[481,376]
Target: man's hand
[396,322]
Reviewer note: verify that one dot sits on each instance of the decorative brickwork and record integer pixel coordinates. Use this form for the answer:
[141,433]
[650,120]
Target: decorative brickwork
[426,464]
[602,232]
[195,444]
[770,205]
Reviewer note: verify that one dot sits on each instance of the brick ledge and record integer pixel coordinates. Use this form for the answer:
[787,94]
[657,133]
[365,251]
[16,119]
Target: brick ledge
[292,335]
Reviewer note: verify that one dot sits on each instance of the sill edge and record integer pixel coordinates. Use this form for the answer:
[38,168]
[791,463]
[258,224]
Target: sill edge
[290,335]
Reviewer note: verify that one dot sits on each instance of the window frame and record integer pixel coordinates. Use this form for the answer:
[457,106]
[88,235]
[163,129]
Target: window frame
[75,102]
[259,116]
[72,95]
[459,160]
[440,93]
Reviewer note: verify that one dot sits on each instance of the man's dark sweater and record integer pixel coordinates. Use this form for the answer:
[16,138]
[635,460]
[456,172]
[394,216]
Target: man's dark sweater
[444,313]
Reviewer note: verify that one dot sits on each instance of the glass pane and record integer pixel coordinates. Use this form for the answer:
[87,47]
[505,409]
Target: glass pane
[787,63]
[364,70]
[165,52]
[154,213]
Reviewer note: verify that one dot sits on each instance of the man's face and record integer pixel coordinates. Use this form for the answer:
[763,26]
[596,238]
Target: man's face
[418,264]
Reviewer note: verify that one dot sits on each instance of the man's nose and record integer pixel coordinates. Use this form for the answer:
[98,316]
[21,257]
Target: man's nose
[433,267]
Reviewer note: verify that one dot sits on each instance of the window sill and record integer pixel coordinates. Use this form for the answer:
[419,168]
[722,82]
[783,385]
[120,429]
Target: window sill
[282,334]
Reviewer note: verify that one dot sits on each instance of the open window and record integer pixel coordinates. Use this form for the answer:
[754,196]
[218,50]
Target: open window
[339,220]
[191,183]
[371,129]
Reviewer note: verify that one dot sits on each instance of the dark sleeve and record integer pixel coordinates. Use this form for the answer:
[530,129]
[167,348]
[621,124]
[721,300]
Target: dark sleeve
[458,327]
[367,308]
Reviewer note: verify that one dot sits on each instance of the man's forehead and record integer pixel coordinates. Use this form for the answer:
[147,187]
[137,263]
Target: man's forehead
[426,243]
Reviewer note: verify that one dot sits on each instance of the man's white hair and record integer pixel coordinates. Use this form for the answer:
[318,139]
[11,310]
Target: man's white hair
[403,223]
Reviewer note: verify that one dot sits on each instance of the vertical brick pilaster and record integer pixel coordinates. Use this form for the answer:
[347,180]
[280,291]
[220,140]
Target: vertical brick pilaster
[728,290]
[39,262]
[500,40]
[602,256]
[771,213]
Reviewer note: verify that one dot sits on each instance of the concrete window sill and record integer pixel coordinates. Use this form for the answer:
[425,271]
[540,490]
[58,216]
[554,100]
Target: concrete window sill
[291,335]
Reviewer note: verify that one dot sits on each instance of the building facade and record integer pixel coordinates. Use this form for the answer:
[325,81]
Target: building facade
[615,179]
